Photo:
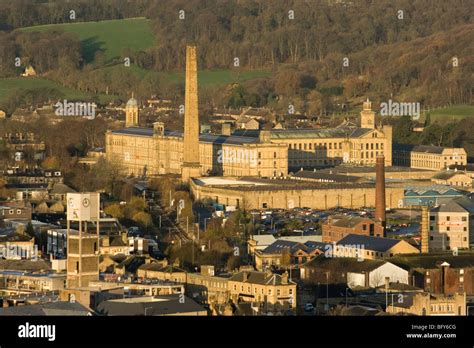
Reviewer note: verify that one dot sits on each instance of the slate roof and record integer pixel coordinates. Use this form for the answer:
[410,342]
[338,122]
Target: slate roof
[280,246]
[370,243]
[49,308]
[25,265]
[344,264]
[204,138]
[433,261]
[457,205]
[255,277]
[319,133]
[350,221]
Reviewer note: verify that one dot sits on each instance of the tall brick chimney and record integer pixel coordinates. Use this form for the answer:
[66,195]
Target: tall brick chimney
[425,227]
[380,190]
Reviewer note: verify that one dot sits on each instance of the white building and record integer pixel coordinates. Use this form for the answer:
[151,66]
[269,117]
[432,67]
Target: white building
[375,273]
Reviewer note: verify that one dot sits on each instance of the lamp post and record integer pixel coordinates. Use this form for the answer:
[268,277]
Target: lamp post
[327,292]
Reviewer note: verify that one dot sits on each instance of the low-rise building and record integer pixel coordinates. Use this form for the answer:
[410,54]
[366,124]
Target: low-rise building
[367,247]
[429,195]
[427,156]
[336,228]
[353,272]
[283,253]
[440,273]
[428,304]
[453,178]
[269,291]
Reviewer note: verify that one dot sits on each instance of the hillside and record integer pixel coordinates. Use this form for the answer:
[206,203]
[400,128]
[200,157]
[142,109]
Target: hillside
[110,37]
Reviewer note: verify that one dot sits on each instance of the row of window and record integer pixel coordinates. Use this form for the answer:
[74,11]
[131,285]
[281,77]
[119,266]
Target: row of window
[269,292]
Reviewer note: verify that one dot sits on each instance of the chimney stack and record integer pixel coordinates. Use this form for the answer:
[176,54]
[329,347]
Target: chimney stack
[380,190]
[425,227]
[226,129]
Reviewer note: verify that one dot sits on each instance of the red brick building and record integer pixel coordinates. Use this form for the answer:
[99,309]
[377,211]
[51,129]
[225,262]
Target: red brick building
[336,228]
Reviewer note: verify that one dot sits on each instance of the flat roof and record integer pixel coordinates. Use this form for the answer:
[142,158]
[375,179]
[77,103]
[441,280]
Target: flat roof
[204,138]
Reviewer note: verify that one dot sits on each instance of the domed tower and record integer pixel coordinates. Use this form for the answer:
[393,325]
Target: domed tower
[131,113]
[367,116]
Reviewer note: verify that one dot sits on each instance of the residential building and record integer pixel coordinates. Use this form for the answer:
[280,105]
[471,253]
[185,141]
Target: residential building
[440,273]
[429,304]
[273,292]
[452,225]
[283,254]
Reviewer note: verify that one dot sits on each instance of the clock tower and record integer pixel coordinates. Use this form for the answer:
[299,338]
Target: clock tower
[83,211]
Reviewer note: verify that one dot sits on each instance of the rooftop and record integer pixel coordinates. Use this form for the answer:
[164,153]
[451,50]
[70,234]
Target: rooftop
[60,308]
[204,138]
[346,264]
[262,278]
[370,243]
[157,305]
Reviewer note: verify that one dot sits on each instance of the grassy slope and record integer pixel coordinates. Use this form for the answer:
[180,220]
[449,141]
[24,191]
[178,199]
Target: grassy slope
[110,36]
[452,113]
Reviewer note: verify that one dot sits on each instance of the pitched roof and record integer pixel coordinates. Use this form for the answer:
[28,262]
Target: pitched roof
[433,261]
[445,175]
[345,264]
[370,243]
[457,205]
[25,265]
[350,221]
[321,133]
[281,246]
[203,138]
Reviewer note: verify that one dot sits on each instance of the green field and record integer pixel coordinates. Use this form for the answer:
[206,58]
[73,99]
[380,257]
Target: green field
[109,36]
[112,37]
[451,113]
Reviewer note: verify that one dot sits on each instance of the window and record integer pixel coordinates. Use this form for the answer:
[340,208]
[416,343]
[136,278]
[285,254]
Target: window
[448,218]
[432,218]
[464,218]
